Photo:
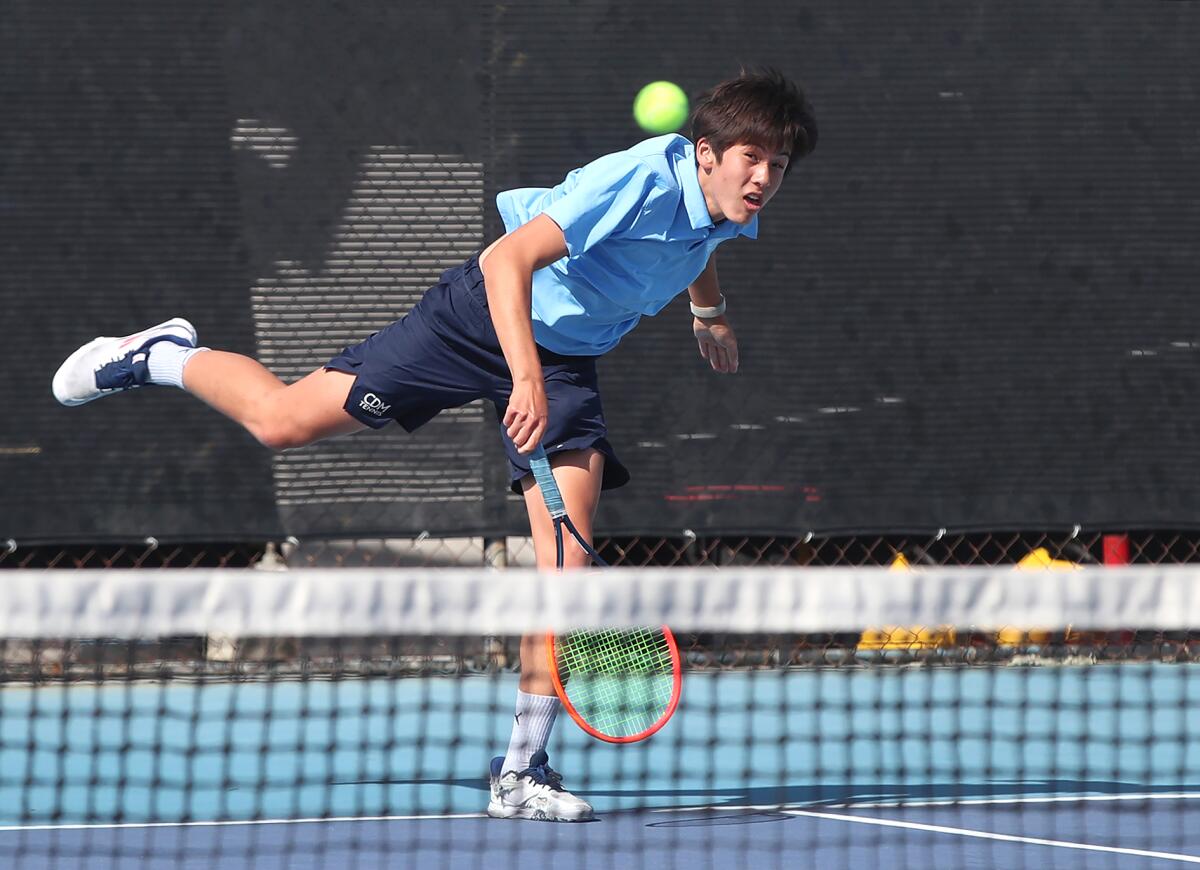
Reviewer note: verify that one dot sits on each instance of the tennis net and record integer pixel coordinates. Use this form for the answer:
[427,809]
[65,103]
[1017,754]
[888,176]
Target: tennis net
[829,718]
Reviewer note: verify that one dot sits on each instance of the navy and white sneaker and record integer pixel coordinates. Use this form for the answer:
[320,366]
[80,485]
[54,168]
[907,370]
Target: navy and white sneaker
[110,365]
[534,793]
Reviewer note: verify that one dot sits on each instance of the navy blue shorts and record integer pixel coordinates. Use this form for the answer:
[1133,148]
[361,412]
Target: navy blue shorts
[444,353]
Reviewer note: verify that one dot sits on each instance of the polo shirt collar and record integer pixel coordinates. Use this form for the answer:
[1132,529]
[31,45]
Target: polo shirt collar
[693,196]
[693,199]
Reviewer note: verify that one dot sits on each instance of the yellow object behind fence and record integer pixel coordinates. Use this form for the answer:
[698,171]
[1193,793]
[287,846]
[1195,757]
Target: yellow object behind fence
[904,638]
[1038,559]
[893,637]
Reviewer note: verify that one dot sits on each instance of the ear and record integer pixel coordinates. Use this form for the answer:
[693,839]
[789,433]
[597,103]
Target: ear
[706,158]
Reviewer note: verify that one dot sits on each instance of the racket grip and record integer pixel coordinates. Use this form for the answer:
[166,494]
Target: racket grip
[540,466]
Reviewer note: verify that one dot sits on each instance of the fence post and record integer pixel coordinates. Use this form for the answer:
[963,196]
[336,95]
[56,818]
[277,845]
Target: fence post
[495,552]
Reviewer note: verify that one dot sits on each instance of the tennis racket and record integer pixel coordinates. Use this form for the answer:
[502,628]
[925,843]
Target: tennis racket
[618,685]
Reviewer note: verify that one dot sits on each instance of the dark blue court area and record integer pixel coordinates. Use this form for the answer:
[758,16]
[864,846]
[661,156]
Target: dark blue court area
[1043,836]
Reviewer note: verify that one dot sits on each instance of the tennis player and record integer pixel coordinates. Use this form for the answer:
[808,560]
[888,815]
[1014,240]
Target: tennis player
[522,325]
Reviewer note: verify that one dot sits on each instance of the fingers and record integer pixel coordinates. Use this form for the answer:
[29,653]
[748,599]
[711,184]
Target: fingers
[524,428]
[526,434]
[722,358]
[526,414]
[719,346]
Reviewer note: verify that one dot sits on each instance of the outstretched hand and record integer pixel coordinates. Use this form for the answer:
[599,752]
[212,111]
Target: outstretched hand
[717,343]
[526,415]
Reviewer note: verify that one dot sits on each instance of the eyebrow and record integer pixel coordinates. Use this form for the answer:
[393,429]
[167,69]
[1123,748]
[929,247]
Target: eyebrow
[784,154]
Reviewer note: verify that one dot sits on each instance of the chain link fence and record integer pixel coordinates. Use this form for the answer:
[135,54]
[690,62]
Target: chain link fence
[967,549]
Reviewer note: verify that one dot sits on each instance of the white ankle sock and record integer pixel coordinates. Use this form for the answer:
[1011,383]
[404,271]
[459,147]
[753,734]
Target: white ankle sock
[166,361]
[534,718]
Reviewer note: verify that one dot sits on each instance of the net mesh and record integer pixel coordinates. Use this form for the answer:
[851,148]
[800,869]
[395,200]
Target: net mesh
[829,717]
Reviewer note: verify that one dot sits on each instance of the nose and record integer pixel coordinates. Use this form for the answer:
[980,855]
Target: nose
[762,174]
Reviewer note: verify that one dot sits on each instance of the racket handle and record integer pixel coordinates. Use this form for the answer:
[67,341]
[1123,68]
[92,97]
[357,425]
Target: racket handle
[540,466]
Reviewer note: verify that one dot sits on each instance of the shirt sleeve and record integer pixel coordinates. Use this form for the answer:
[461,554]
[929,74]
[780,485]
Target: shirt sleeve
[608,196]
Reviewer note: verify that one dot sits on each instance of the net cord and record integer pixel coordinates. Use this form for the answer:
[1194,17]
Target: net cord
[140,603]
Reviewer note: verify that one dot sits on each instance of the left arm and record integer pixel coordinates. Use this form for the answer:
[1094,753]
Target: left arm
[714,335]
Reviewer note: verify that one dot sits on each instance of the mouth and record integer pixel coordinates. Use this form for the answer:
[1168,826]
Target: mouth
[753,202]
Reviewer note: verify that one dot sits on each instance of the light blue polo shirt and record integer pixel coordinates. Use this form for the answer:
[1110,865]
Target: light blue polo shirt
[638,233]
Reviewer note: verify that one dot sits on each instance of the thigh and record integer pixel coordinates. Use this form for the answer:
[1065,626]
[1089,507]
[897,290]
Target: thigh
[316,405]
[579,474]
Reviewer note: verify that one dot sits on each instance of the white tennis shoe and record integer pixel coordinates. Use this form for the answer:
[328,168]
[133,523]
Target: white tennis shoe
[534,793]
[111,365]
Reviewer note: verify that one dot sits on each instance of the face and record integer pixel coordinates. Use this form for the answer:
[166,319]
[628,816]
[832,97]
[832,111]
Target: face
[737,186]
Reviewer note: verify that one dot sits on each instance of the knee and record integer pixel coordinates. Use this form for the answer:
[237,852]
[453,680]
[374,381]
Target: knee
[280,435]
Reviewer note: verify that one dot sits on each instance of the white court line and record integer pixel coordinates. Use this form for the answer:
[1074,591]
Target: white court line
[233,823]
[987,835]
[906,804]
[1048,799]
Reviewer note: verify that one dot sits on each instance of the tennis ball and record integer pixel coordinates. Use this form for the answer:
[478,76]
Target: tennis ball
[660,107]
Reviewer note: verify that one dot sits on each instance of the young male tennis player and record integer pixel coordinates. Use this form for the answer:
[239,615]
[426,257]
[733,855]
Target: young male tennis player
[522,325]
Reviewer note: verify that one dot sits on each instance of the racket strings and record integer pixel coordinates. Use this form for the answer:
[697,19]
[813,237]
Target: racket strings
[621,682]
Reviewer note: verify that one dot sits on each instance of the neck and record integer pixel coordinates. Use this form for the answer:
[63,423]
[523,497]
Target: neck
[705,177]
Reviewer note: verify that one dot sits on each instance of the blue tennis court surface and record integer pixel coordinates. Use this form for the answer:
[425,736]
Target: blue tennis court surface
[1056,767]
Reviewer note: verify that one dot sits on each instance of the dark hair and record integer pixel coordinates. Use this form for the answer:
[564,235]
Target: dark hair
[761,107]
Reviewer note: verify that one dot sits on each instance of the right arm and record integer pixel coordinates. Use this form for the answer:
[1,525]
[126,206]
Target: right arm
[508,268]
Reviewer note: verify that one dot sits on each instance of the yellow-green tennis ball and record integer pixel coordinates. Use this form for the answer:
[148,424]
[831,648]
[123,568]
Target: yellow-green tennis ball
[660,107]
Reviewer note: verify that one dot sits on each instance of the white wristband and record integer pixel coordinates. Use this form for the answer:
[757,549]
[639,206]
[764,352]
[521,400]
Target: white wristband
[709,313]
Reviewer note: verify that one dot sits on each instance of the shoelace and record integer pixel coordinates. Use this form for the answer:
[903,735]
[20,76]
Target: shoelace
[117,372]
[113,360]
[120,355]
[545,775]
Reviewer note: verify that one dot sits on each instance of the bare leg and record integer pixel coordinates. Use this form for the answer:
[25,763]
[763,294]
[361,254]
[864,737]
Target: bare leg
[277,414]
[579,474]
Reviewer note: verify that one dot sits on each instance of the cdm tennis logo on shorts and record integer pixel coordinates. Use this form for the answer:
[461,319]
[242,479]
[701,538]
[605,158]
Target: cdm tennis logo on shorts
[372,404]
